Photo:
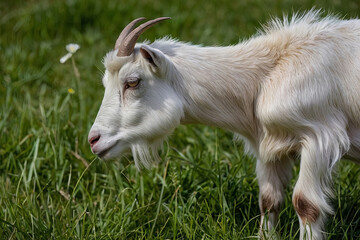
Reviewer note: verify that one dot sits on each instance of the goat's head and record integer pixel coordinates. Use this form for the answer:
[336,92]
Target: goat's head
[140,107]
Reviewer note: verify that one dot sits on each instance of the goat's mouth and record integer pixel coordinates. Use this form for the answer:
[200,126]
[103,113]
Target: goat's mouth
[115,150]
[103,153]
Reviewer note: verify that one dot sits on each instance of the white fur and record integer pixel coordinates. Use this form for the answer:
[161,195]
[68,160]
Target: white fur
[293,90]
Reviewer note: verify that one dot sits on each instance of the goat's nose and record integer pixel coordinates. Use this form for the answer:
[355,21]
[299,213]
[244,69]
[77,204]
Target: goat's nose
[94,138]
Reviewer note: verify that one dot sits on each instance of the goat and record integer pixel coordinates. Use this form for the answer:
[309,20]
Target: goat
[292,91]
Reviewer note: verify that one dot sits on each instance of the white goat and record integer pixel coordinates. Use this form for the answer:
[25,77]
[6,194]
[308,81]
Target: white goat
[293,90]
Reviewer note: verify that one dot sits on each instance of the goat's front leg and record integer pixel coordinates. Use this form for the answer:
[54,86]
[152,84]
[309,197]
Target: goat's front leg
[312,188]
[273,178]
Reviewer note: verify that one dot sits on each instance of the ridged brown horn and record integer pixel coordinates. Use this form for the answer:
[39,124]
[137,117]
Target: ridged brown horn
[126,31]
[128,37]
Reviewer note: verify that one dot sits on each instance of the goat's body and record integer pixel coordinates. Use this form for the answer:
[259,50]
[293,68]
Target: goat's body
[292,91]
[281,80]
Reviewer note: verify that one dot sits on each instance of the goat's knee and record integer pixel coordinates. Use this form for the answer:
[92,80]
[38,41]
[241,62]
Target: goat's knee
[268,204]
[307,211]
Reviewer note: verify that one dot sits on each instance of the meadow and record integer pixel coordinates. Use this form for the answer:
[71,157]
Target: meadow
[53,187]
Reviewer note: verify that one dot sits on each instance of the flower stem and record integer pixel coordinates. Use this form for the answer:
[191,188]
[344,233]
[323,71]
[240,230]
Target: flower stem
[80,98]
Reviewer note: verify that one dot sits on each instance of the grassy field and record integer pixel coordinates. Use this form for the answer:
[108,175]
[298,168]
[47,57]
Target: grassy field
[52,187]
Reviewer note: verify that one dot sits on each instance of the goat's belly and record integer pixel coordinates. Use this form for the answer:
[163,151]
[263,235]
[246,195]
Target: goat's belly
[355,159]
[354,151]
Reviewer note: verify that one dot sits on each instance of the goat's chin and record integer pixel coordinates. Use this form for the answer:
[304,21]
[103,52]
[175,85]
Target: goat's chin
[145,154]
[114,152]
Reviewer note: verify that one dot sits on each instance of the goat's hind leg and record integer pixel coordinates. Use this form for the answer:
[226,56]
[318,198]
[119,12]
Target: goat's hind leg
[272,178]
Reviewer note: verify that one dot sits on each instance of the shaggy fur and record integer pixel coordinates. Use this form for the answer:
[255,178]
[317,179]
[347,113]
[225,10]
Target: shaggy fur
[291,91]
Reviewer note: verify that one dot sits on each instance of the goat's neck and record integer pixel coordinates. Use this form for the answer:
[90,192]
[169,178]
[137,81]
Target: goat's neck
[220,84]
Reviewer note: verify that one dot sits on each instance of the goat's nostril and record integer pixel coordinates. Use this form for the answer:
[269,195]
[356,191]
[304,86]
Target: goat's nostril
[93,140]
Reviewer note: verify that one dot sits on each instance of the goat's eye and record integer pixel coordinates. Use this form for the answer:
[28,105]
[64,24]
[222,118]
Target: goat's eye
[132,83]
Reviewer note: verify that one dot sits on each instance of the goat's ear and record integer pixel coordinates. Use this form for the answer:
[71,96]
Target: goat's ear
[153,56]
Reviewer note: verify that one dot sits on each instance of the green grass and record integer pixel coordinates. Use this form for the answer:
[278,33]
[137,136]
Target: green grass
[205,188]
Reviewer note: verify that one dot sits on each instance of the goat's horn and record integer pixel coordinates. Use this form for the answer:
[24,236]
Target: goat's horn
[126,31]
[126,47]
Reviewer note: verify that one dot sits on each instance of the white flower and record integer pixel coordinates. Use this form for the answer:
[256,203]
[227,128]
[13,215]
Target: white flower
[71,48]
